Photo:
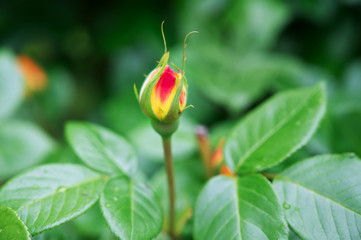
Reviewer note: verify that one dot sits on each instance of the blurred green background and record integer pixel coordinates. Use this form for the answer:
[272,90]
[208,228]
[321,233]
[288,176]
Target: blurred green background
[93,52]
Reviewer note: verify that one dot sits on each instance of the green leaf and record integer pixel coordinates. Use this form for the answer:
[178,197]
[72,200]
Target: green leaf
[52,194]
[321,197]
[101,149]
[131,209]
[212,63]
[11,83]
[239,208]
[257,23]
[11,226]
[275,130]
[22,145]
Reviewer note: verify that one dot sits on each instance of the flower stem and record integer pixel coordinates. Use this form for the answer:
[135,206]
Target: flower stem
[171,187]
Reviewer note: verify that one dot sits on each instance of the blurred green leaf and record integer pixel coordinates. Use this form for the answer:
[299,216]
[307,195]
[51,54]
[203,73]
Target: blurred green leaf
[297,156]
[244,26]
[130,209]
[71,231]
[115,110]
[63,154]
[149,144]
[352,80]
[11,226]
[162,236]
[239,208]
[256,23]
[236,82]
[326,186]
[101,149]
[11,83]
[222,129]
[47,196]
[317,10]
[348,128]
[91,223]
[59,95]
[227,79]
[293,235]
[275,130]
[22,145]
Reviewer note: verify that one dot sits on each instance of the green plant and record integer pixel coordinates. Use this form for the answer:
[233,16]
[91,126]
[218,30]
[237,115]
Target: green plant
[256,192]
[305,196]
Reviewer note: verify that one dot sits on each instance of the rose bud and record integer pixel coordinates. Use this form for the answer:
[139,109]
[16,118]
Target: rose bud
[163,95]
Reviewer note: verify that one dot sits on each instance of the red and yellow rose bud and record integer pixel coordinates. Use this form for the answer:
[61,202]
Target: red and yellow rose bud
[163,95]
[35,78]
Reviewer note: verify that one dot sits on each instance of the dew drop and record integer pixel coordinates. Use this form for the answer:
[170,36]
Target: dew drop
[115,198]
[286,205]
[35,187]
[107,205]
[61,189]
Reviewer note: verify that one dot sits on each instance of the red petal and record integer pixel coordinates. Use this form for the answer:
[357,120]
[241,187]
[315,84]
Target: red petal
[165,84]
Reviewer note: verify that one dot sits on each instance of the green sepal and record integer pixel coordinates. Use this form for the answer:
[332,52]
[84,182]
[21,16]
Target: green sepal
[145,98]
[165,129]
[136,92]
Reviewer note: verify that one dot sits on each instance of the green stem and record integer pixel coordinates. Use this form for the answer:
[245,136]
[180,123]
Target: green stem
[171,187]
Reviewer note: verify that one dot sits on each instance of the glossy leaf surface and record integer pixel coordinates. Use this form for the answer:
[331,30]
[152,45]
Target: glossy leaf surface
[22,145]
[276,129]
[11,83]
[321,197]
[52,194]
[130,209]
[239,208]
[101,149]
[11,226]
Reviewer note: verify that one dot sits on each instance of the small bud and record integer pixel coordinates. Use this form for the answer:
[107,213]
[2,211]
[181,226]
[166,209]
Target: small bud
[35,77]
[226,171]
[217,156]
[163,95]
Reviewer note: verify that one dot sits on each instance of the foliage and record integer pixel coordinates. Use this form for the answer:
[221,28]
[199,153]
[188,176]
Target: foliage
[280,80]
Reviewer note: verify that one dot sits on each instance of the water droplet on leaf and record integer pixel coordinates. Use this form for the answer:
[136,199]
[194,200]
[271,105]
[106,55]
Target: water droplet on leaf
[61,189]
[286,205]
[115,198]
